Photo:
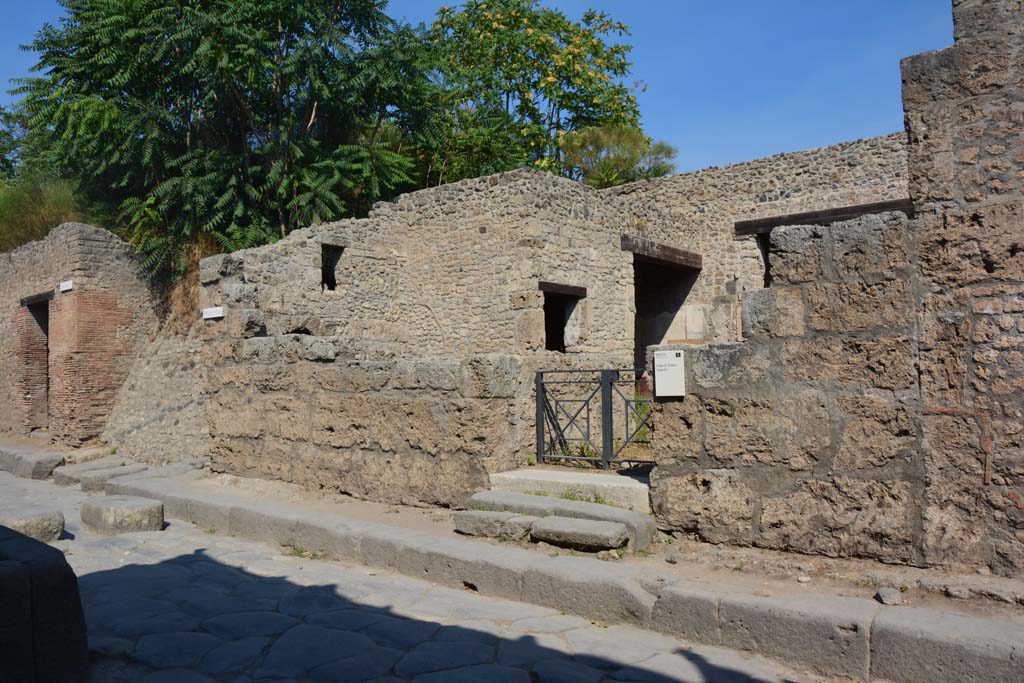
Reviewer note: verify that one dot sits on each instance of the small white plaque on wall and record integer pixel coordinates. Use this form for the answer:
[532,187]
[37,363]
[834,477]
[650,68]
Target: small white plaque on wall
[67,285]
[213,312]
[669,373]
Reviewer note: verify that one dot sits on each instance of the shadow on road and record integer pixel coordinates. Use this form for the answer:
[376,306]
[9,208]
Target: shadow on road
[192,619]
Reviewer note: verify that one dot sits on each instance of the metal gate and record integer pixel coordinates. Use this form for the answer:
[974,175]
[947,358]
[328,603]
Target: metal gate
[598,416]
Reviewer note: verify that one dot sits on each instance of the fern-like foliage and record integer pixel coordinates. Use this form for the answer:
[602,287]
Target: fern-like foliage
[240,120]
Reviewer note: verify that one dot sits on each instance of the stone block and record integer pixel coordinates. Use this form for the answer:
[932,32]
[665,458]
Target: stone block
[629,492]
[829,635]
[590,588]
[34,520]
[579,534]
[853,306]
[482,522]
[70,475]
[791,429]
[96,480]
[715,366]
[841,517]
[876,243]
[714,504]
[773,312]
[641,527]
[888,362]
[688,612]
[518,528]
[919,644]
[679,438]
[875,432]
[975,245]
[798,253]
[29,463]
[122,514]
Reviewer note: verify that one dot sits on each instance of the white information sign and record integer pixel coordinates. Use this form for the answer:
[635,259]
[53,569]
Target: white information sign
[66,285]
[669,373]
[213,312]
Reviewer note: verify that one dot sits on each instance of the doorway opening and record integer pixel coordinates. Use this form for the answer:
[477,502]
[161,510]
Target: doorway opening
[34,348]
[660,290]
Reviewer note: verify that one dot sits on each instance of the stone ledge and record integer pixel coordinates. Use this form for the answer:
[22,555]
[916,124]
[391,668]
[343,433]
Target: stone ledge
[29,463]
[641,527]
[96,479]
[579,534]
[70,475]
[836,636]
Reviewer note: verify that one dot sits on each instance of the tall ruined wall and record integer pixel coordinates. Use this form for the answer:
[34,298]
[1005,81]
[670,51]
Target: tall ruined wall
[875,408]
[965,117]
[95,331]
[806,436]
[411,380]
[708,203]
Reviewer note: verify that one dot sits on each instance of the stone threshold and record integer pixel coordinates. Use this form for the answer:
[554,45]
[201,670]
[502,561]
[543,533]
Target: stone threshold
[853,638]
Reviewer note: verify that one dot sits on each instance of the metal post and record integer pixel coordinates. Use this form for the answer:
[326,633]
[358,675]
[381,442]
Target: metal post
[539,386]
[608,377]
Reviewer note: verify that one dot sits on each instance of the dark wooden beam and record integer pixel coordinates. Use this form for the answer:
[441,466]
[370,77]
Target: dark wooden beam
[36,298]
[760,226]
[649,251]
[565,290]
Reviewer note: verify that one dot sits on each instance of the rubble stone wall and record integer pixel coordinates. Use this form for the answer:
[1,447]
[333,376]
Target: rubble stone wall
[875,408]
[160,413]
[412,379]
[707,204]
[95,331]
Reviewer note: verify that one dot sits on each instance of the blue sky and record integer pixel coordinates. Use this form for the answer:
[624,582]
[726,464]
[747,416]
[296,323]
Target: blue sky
[726,80]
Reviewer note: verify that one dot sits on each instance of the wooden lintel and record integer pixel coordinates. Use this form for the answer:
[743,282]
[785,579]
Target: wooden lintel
[565,290]
[36,298]
[760,226]
[649,251]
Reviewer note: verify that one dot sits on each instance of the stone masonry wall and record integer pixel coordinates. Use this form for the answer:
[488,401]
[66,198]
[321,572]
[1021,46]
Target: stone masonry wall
[875,409]
[95,331]
[160,414]
[807,435]
[412,379]
[707,204]
[965,117]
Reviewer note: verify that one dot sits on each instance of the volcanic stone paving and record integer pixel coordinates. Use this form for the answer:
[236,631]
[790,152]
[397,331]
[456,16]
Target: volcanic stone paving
[183,605]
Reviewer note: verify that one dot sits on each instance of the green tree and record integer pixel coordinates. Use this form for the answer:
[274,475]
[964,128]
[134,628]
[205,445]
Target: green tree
[532,72]
[612,155]
[234,119]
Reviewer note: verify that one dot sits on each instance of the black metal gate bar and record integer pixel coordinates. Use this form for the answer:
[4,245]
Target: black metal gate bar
[559,427]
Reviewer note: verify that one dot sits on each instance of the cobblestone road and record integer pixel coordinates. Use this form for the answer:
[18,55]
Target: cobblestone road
[186,605]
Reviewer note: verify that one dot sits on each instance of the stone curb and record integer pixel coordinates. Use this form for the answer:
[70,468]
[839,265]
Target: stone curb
[29,464]
[832,636]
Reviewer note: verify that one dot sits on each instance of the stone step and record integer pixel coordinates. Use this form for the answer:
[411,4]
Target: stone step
[70,475]
[29,462]
[579,534]
[122,514]
[641,527]
[506,525]
[628,491]
[96,480]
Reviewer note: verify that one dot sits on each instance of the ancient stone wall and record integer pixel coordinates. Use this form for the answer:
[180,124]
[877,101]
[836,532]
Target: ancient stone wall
[965,117]
[94,331]
[160,413]
[875,407]
[707,204]
[806,436]
[412,377]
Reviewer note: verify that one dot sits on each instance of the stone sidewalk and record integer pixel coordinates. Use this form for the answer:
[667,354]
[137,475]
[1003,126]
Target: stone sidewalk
[185,605]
